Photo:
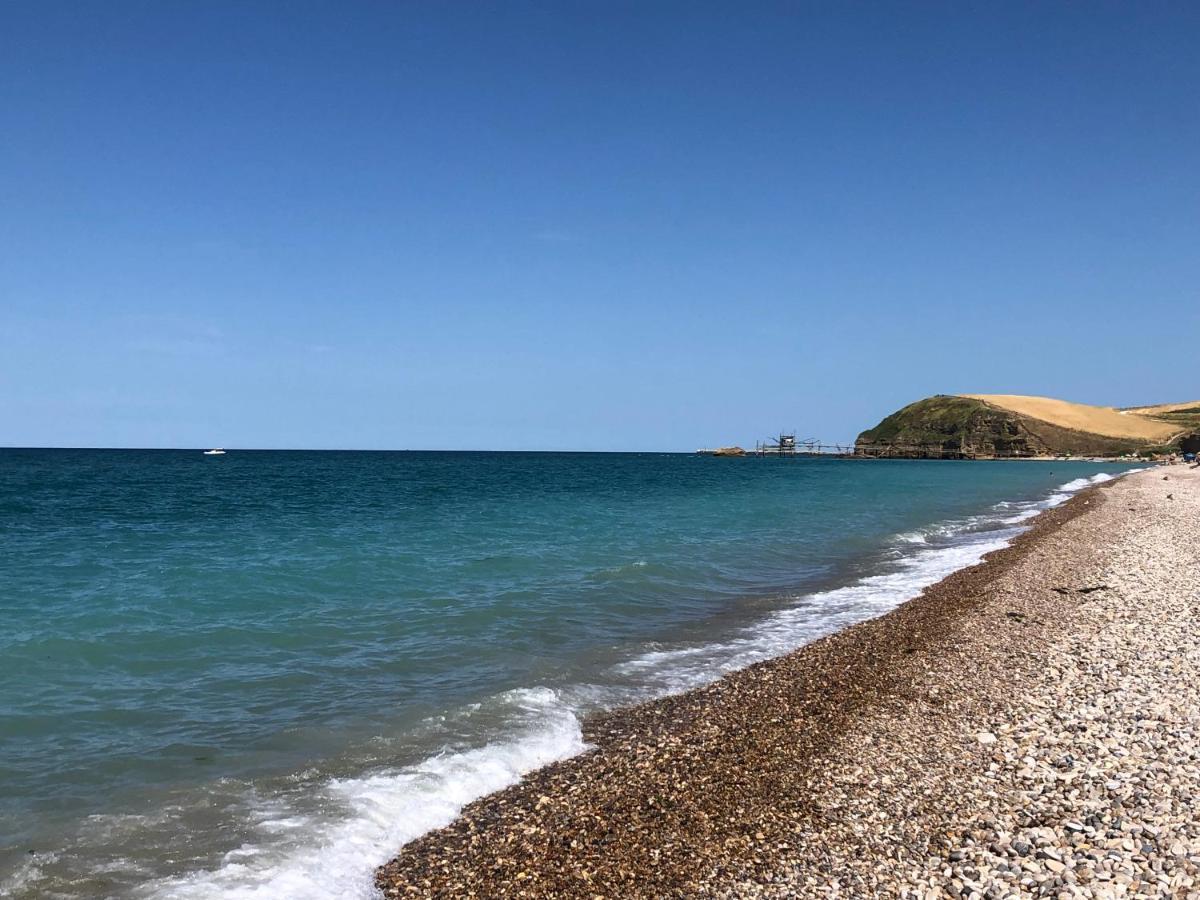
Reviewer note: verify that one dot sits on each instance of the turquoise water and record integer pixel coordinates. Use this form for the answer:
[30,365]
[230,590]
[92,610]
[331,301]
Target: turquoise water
[256,675]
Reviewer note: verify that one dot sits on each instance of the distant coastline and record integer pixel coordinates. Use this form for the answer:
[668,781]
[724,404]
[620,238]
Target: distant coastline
[1006,426]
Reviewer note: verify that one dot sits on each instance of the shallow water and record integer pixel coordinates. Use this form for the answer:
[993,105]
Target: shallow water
[260,673]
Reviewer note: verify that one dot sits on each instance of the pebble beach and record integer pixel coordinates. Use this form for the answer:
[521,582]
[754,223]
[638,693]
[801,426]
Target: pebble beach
[1025,728]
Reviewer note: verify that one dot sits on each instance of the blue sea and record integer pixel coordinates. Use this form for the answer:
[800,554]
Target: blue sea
[257,675]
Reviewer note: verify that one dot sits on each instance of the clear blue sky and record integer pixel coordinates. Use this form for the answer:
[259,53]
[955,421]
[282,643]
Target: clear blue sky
[585,226]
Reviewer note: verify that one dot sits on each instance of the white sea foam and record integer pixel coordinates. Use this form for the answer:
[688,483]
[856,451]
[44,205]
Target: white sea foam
[1074,485]
[373,815]
[369,817]
[27,874]
[817,615]
[1023,516]
[811,617]
[1064,491]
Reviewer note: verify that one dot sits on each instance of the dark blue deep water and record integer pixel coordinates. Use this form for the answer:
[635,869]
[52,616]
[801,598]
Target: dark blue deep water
[256,675]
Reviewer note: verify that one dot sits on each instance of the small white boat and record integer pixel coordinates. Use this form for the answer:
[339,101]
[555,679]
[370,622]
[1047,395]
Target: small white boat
[215,451]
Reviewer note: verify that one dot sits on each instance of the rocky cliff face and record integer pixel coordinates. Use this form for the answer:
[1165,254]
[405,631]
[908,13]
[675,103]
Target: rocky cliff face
[961,426]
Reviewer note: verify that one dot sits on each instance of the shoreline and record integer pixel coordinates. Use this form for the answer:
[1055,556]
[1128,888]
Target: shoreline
[712,787]
[327,830]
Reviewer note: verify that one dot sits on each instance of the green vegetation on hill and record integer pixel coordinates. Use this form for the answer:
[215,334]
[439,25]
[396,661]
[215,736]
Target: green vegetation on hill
[942,420]
[955,425]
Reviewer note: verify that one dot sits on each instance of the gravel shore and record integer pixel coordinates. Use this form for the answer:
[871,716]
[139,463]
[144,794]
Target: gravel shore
[1026,728]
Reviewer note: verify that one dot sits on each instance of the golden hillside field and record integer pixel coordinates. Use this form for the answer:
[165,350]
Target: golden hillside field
[1163,408]
[1105,420]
